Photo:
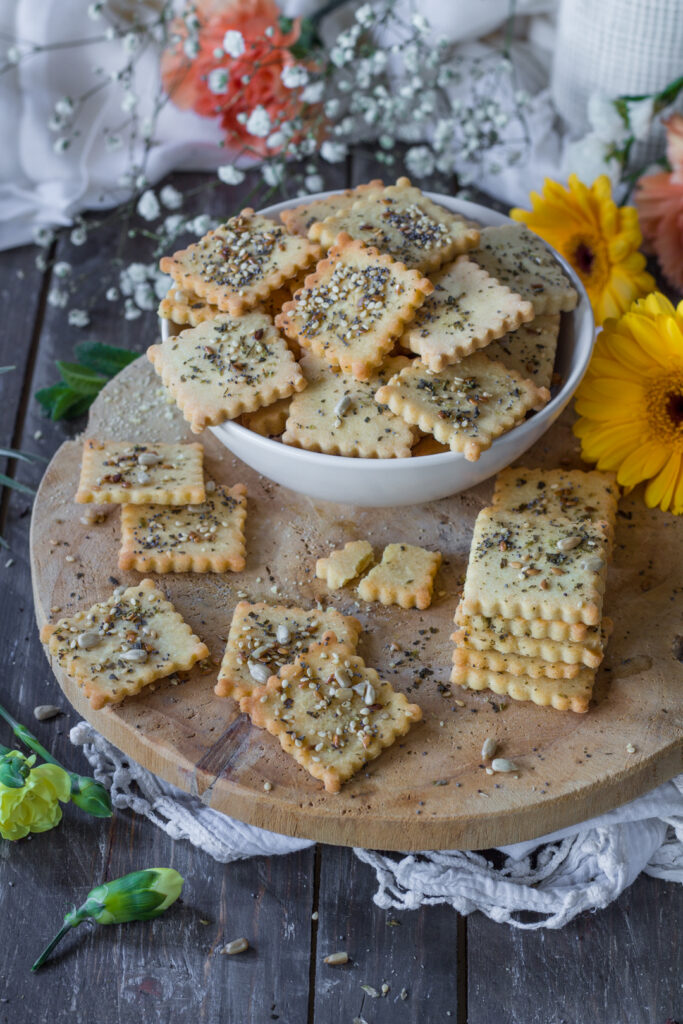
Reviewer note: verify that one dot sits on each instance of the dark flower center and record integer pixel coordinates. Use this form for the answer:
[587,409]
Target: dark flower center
[584,258]
[674,407]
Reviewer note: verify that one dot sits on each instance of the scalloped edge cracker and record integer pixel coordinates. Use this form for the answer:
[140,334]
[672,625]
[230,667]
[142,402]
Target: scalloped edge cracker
[353,307]
[300,218]
[189,538]
[226,367]
[562,694]
[139,617]
[183,307]
[331,712]
[240,263]
[405,577]
[589,652]
[466,311]
[345,564]
[530,349]
[176,479]
[511,662]
[466,406]
[253,640]
[532,629]
[269,420]
[577,493]
[521,259]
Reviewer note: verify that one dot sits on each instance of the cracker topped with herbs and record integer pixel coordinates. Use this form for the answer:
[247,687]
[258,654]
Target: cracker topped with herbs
[520,259]
[405,577]
[530,349]
[354,307]
[225,367]
[237,266]
[299,219]
[401,221]
[136,474]
[331,712]
[183,307]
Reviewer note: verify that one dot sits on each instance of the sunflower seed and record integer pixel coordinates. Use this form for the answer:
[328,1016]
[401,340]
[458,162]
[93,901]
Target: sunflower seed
[370,991]
[149,459]
[501,764]
[236,946]
[568,543]
[369,696]
[258,672]
[592,564]
[258,651]
[489,748]
[334,959]
[283,635]
[342,406]
[135,655]
[45,711]
[86,641]
[143,478]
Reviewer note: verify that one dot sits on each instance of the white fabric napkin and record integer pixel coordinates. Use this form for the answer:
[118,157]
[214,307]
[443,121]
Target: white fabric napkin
[556,877]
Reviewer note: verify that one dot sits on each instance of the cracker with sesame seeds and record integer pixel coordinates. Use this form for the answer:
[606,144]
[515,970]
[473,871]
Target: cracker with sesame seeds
[530,349]
[582,495]
[511,662]
[529,629]
[264,637]
[331,712]
[187,538]
[561,694]
[183,307]
[270,420]
[466,311]
[405,577]
[465,406]
[354,307]
[123,644]
[339,415]
[520,259]
[299,219]
[401,221]
[226,367]
[548,567]
[240,263]
[126,473]
[589,651]
[346,564]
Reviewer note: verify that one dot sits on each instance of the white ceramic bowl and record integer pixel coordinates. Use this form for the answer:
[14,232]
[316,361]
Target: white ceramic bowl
[389,482]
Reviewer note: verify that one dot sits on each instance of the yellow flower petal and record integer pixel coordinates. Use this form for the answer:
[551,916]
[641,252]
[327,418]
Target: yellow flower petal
[661,490]
[642,464]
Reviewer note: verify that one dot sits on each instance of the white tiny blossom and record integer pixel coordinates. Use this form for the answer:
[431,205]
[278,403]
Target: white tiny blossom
[640,116]
[313,93]
[276,140]
[41,261]
[293,76]
[314,182]
[61,145]
[365,15]
[111,294]
[273,173]
[173,224]
[605,120]
[162,285]
[113,142]
[95,10]
[13,55]
[420,23]
[78,236]
[200,225]
[140,181]
[56,123]
[129,101]
[144,296]
[387,141]
[340,57]
[147,127]
[57,297]
[110,33]
[333,152]
[191,48]
[78,318]
[242,117]
[148,205]
[171,197]
[64,107]
[588,158]
[130,310]
[136,272]
[43,235]
[258,122]
[270,32]
[219,53]
[332,108]
[233,43]
[131,42]
[62,269]
[420,161]
[218,81]
[230,175]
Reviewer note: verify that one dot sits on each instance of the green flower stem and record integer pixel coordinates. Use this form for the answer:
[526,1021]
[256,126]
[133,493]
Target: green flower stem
[88,794]
[51,945]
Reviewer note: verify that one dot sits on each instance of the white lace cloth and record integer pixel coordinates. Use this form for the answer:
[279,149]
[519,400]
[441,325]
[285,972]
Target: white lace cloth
[554,877]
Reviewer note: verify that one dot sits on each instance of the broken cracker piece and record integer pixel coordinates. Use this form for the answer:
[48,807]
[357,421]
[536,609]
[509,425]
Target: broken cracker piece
[341,566]
[405,577]
[136,474]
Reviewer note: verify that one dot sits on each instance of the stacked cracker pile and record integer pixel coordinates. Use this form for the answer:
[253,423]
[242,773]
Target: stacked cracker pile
[530,622]
[326,360]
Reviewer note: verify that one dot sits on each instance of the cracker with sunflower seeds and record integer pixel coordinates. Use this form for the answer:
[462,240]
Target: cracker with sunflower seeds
[127,473]
[346,564]
[299,219]
[530,349]
[520,259]
[405,577]
[187,538]
[466,311]
[226,367]
[123,644]
[264,637]
[331,712]
[353,308]
[562,694]
[465,406]
[239,264]
[588,652]
[339,415]
[529,629]
[401,221]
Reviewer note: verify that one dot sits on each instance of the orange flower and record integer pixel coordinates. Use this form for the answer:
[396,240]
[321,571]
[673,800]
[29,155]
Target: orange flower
[659,201]
[249,81]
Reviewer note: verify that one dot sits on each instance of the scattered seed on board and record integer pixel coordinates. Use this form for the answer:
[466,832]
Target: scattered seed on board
[43,712]
[236,946]
[403,994]
[501,764]
[630,749]
[370,991]
[489,748]
[335,959]
[267,786]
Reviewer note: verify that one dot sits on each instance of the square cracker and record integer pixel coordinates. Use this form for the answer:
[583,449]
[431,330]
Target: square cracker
[401,221]
[264,637]
[530,349]
[122,644]
[183,307]
[339,415]
[186,538]
[270,420]
[225,367]
[331,712]
[534,629]
[548,568]
[582,495]
[513,663]
[466,311]
[240,263]
[137,474]
[561,694]
[299,219]
[341,566]
[465,406]
[520,259]
[589,652]
[354,307]
[405,577]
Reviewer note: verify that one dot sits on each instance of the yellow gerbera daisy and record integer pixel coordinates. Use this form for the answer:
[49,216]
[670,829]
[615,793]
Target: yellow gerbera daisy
[598,238]
[630,402]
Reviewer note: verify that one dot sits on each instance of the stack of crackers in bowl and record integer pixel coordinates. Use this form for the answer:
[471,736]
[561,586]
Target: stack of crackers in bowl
[371,324]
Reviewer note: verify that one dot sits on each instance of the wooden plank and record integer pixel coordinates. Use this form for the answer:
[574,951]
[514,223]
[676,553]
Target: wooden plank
[618,964]
[412,950]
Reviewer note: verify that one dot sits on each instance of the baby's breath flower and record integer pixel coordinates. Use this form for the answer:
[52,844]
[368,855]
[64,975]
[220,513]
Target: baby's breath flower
[64,107]
[131,42]
[61,145]
[365,15]
[144,296]
[258,122]
[57,297]
[162,284]
[419,22]
[640,115]
[276,140]
[191,47]
[314,182]
[78,318]
[130,310]
[230,175]
[95,10]
[78,236]
[113,142]
[62,269]
[171,197]
[273,174]
[136,272]
[332,108]
[233,44]
[129,101]
[111,294]
[148,205]
[333,152]
[313,93]
[293,76]
[200,225]
[219,53]
[173,225]
[218,81]
[43,235]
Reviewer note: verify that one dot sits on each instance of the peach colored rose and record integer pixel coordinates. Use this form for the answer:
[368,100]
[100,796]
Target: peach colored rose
[253,78]
[659,201]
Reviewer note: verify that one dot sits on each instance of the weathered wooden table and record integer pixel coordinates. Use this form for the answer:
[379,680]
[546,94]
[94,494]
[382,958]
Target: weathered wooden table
[621,965]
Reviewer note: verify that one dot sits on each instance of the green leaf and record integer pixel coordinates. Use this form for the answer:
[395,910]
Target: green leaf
[61,402]
[105,359]
[80,378]
[285,24]
[12,453]
[16,485]
[307,41]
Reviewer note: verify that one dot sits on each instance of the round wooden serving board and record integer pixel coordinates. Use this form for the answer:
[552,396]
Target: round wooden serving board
[430,790]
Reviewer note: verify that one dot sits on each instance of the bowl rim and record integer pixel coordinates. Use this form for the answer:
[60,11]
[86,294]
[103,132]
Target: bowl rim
[359,463]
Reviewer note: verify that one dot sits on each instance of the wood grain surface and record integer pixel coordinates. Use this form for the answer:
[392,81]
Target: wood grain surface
[430,790]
